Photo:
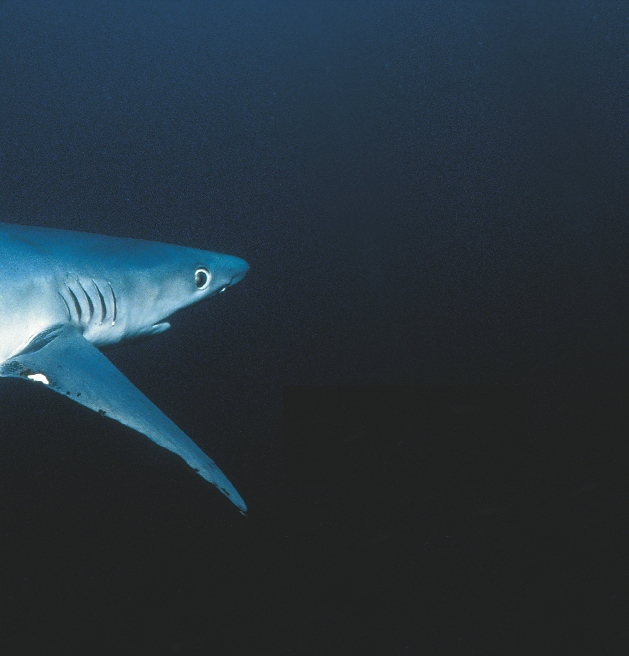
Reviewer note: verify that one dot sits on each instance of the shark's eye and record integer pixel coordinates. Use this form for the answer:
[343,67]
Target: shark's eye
[202,278]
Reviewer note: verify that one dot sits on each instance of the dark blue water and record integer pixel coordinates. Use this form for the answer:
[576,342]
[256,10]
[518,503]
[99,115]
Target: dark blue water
[427,192]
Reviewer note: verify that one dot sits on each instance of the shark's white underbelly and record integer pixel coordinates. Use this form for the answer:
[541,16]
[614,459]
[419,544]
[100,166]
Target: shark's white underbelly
[26,309]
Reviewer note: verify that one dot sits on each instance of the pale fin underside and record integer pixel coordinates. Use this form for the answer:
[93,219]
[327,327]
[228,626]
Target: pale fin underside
[65,361]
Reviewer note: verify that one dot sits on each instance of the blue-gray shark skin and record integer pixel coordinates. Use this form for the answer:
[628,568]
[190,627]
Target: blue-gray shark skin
[63,294]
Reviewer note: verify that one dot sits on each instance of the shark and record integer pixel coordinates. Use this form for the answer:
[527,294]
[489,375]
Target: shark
[65,294]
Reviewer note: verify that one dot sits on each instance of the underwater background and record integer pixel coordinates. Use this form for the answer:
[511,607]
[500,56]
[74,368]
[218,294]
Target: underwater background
[429,193]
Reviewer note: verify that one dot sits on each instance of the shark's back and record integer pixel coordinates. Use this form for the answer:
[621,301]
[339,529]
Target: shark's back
[33,245]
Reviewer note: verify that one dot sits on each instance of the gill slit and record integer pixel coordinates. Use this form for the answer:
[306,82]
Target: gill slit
[77,305]
[103,306]
[66,304]
[90,305]
[113,296]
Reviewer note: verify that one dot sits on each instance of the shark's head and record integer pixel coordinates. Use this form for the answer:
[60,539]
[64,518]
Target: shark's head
[205,273]
[194,276]
[160,286]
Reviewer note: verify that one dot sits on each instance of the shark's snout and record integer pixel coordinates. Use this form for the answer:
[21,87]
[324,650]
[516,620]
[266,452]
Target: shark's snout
[238,269]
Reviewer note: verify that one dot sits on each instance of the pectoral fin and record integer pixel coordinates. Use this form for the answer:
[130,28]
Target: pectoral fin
[65,361]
